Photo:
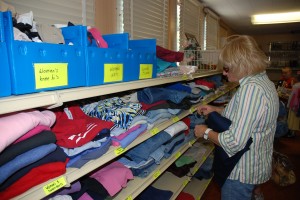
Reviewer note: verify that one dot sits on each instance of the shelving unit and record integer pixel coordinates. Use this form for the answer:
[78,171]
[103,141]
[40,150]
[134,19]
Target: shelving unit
[176,184]
[197,187]
[56,98]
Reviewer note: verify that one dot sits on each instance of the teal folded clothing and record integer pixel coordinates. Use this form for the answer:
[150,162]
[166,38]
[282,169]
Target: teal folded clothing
[162,65]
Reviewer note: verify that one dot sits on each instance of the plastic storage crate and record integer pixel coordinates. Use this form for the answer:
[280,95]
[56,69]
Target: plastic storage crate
[113,64]
[103,65]
[5,83]
[204,59]
[39,67]
[143,58]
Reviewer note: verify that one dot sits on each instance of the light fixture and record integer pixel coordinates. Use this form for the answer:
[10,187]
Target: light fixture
[276,18]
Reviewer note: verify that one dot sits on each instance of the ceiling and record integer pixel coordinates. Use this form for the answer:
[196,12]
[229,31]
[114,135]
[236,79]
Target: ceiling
[237,15]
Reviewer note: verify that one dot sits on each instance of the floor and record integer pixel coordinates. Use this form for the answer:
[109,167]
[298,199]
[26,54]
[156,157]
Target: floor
[271,191]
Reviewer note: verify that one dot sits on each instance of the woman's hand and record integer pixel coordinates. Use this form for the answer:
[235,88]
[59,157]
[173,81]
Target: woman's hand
[199,130]
[206,109]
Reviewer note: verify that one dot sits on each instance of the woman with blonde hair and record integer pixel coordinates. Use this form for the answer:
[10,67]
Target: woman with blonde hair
[253,111]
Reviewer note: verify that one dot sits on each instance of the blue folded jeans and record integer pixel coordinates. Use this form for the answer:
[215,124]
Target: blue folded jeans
[152,95]
[143,150]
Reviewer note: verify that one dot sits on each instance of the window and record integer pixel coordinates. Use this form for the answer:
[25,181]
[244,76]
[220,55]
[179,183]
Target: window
[145,19]
[57,11]
[211,30]
[190,20]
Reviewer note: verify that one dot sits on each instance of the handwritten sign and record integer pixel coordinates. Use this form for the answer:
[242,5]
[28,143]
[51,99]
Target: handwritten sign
[185,77]
[156,174]
[185,182]
[145,71]
[55,185]
[129,198]
[49,75]
[193,109]
[119,151]
[154,131]
[178,154]
[113,73]
[175,119]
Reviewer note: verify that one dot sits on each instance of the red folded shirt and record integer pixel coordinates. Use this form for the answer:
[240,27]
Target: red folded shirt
[36,176]
[73,128]
[203,82]
[185,196]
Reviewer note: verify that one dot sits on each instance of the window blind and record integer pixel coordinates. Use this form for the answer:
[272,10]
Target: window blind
[211,30]
[145,19]
[191,20]
[57,11]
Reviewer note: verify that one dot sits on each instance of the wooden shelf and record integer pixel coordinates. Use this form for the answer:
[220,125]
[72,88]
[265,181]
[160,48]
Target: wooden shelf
[56,98]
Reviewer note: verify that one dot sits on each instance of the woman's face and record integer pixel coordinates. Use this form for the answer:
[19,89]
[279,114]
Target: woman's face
[230,76]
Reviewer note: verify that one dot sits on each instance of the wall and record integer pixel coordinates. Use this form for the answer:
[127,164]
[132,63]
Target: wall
[106,16]
[264,41]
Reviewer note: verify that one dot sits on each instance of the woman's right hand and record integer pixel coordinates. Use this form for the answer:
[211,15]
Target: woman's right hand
[206,109]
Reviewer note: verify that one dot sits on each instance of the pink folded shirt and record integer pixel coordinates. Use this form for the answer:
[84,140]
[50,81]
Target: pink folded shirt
[14,126]
[113,177]
[36,130]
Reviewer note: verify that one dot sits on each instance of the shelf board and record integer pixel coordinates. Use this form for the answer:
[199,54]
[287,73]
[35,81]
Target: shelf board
[196,187]
[74,174]
[57,98]
[137,185]
[176,184]
[28,101]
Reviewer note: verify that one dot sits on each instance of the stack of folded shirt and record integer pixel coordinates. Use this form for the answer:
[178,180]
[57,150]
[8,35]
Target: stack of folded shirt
[102,184]
[82,138]
[29,155]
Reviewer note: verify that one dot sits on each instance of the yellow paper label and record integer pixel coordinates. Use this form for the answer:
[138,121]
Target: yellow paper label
[119,151]
[55,185]
[199,197]
[184,77]
[204,158]
[185,182]
[196,169]
[175,119]
[154,131]
[177,155]
[113,72]
[192,141]
[129,198]
[156,174]
[146,71]
[193,109]
[49,75]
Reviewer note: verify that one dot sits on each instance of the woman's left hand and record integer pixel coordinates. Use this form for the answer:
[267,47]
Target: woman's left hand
[199,130]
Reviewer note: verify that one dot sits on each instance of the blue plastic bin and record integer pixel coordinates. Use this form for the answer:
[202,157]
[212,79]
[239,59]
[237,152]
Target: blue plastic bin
[5,83]
[104,65]
[142,59]
[37,67]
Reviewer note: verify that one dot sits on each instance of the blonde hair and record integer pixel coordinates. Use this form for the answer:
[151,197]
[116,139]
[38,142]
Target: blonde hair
[242,56]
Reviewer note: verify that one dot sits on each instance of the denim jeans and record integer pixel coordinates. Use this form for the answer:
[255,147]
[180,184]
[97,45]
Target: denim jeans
[143,150]
[235,190]
[154,115]
[152,95]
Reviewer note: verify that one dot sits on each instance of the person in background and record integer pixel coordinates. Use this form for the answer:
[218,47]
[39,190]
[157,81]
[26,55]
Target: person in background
[293,105]
[253,111]
[287,78]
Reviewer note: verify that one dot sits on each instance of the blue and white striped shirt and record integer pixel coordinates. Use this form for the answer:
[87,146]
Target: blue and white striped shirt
[253,111]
